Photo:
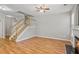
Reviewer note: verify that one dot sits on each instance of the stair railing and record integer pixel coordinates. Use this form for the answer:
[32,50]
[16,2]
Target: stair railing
[19,27]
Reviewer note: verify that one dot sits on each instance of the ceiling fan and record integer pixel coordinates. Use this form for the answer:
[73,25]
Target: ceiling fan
[65,4]
[42,8]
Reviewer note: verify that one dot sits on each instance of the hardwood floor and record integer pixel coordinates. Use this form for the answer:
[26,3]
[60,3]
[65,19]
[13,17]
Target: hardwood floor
[35,45]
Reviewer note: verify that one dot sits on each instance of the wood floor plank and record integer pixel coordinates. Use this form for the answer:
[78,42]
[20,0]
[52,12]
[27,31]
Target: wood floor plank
[35,45]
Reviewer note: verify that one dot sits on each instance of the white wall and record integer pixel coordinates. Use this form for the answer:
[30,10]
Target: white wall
[54,26]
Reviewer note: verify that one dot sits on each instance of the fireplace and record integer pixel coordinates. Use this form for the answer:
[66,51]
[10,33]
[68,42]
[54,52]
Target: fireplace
[70,49]
[76,45]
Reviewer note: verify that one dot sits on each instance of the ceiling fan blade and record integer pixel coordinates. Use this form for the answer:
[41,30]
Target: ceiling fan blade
[38,10]
[65,4]
[47,9]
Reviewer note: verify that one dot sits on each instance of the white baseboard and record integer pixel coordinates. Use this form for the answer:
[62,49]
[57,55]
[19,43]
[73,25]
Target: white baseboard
[53,38]
[25,38]
[43,37]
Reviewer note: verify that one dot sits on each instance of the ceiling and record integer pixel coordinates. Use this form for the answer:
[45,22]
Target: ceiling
[31,10]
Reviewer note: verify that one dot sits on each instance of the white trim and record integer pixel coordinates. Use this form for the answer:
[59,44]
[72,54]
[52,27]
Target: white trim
[43,37]
[25,38]
[54,38]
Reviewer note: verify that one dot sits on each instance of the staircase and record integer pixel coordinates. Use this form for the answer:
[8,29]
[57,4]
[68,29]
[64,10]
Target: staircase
[19,27]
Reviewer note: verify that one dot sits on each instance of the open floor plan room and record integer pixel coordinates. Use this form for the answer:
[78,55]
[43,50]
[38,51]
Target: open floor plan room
[39,28]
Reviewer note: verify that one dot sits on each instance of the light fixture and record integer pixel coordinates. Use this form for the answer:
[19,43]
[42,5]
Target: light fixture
[42,8]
